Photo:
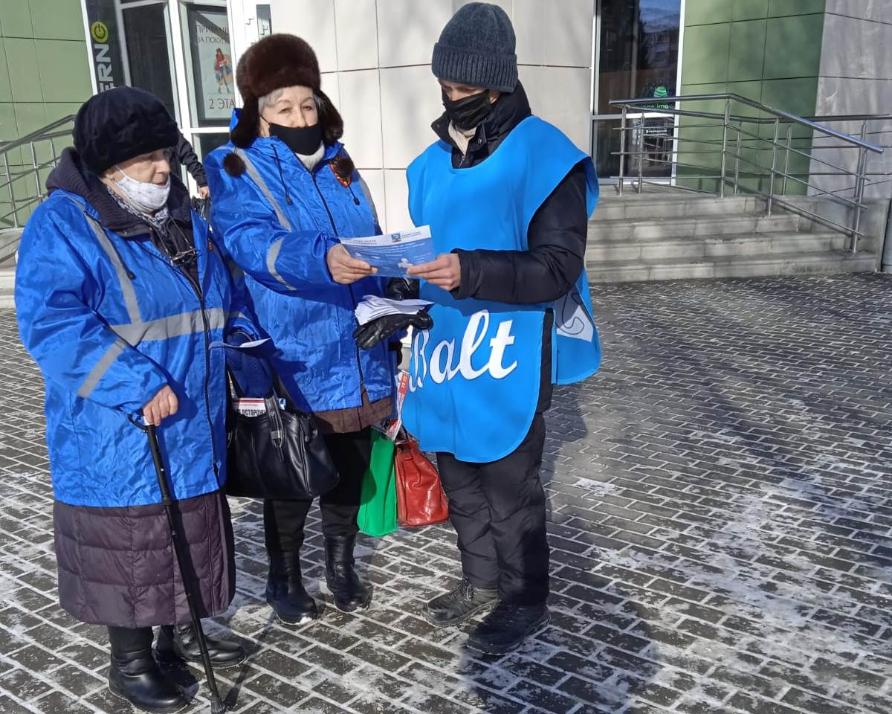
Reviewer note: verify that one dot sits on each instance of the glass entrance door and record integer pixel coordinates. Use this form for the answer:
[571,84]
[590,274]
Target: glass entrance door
[148,51]
[637,56]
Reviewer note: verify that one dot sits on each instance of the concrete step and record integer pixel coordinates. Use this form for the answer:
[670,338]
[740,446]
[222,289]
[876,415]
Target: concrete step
[651,207]
[824,262]
[7,287]
[9,243]
[713,246]
[615,231]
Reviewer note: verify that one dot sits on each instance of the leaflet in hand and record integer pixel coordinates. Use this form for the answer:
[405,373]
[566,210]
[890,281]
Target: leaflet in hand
[393,253]
[373,307]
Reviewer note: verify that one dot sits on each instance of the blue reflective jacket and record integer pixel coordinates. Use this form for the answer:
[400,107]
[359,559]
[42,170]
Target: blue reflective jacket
[278,220]
[110,321]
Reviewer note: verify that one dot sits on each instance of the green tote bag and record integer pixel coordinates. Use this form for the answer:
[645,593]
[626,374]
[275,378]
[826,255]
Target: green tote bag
[377,506]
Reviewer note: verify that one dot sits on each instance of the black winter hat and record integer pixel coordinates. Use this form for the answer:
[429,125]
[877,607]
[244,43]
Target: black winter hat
[276,61]
[477,47]
[119,124]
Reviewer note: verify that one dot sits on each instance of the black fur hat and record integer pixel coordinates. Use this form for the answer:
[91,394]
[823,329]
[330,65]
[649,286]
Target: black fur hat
[276,61]
[119,124]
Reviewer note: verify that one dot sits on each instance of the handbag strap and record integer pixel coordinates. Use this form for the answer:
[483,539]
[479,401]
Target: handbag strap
[271,401]
[280,391]
[235,389]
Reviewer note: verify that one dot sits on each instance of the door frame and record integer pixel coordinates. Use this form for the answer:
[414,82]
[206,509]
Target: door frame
[596,89]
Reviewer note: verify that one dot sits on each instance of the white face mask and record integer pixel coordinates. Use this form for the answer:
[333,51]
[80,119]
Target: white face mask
[145,197]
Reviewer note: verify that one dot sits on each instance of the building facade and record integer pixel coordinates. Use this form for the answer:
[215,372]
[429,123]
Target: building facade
[807,57]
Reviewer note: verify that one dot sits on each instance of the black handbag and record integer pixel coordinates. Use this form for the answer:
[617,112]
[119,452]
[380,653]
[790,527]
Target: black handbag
[278,454]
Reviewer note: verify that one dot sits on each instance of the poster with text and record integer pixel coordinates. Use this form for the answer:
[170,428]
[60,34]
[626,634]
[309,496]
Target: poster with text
[212,70]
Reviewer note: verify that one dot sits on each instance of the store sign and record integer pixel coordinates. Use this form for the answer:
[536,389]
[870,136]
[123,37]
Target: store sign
[105,44]
[212,69]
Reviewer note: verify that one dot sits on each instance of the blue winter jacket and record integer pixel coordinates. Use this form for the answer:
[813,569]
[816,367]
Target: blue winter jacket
[110,321]
[278,220]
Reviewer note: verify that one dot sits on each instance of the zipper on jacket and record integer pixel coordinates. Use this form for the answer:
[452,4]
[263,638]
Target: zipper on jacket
[207,369]
[349,287]
[196,287]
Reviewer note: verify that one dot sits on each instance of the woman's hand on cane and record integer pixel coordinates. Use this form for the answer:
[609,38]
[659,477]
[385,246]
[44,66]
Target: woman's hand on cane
[161,406]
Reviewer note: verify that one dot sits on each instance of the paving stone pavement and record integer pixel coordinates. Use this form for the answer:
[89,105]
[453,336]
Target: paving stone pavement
[719,517]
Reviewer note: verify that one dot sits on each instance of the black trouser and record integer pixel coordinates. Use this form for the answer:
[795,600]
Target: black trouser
[284,520]
[130,641]
[498,512]
[498,508]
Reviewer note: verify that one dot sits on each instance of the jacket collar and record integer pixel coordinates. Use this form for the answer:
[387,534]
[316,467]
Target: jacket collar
[70,175]
[508,111]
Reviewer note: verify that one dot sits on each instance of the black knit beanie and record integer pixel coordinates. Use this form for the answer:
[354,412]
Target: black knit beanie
[120,124]
[477,48]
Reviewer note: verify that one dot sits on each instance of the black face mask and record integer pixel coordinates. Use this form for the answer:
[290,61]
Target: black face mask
[469,112]
[303,140]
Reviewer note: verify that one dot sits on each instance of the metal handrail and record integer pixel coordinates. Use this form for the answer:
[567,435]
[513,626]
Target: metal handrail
[755,105]
[31,169]
[734,137]
[36,135]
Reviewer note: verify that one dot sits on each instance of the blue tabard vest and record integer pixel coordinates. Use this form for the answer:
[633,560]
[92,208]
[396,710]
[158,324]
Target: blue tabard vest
[474,377]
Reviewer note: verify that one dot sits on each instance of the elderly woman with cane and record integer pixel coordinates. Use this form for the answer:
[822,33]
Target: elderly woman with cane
[121,296]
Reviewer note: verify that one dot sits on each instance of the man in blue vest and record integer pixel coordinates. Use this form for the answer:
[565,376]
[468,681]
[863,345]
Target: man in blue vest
[508,198]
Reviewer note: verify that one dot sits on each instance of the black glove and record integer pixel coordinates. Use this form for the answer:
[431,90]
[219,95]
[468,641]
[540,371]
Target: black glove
[371,333]
[202,206]
[402,289]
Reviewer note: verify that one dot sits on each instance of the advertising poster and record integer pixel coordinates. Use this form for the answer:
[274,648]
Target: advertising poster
[212,70]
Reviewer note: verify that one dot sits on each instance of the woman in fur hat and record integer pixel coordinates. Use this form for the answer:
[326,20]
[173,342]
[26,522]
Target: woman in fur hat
[284,191]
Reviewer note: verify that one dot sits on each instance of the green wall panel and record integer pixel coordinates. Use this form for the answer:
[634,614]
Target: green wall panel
[784,8]
[8,128]
[793,46]
[751,89]
[15,18]
[57,19]
[21,57]
[747,51]
[5,87]
[30,116]
[44,75]
[796,95]
[767,50]
[750,9]
[64,71]
[44,65]
[703,12]
[705,56]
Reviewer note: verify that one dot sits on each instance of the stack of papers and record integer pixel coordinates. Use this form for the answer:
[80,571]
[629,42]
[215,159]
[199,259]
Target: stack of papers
[372,307]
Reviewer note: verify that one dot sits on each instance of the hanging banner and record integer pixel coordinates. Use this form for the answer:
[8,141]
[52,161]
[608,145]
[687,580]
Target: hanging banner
[212,71]
[105,44]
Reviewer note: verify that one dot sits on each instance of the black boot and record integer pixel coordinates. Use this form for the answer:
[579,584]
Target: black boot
[347,591]
[459,604]
[507,626]
[135,676]
[285,590]
[179,642]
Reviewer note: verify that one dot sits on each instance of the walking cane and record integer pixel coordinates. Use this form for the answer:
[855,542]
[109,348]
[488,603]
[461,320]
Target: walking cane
[217,705]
